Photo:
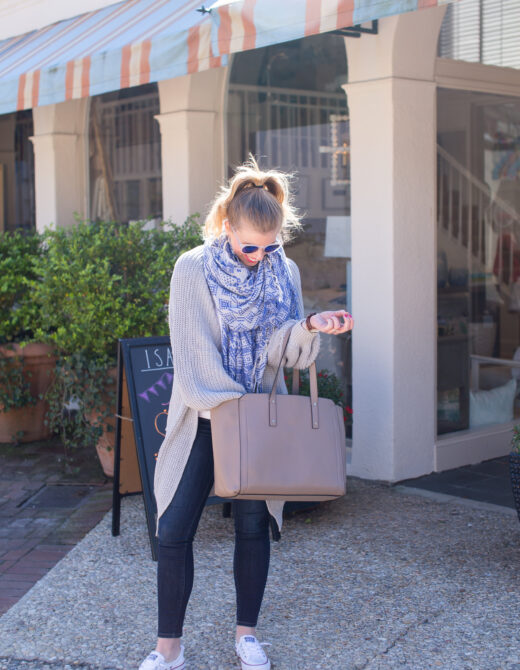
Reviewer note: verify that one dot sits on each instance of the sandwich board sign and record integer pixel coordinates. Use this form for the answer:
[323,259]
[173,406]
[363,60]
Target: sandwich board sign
[144,385]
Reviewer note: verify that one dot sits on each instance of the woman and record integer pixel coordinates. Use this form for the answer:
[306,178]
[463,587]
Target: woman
[232,300]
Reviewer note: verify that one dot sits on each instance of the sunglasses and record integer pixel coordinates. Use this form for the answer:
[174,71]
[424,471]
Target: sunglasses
[253,248]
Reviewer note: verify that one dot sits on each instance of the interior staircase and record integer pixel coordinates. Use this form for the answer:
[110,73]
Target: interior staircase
[477,220]
[484,236]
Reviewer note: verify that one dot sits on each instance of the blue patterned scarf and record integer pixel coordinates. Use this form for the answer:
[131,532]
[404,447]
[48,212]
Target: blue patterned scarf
[251,303]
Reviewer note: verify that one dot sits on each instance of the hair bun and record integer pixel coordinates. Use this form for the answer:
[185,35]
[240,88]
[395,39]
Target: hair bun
[262,211]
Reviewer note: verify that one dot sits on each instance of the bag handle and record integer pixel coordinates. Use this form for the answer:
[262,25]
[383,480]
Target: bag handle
[313,378]
[295,381]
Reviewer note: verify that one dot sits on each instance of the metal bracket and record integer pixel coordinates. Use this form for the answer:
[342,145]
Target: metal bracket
[357,30]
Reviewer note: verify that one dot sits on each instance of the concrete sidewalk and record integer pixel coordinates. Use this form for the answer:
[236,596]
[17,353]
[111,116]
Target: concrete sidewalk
[382,578]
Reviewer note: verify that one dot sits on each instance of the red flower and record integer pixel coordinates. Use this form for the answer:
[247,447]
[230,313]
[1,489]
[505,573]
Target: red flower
[348,409]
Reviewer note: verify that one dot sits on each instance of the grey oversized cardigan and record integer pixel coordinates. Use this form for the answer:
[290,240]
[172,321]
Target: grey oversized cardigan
[199,378]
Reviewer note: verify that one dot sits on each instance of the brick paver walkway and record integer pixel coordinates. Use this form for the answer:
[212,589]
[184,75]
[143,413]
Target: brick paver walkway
[44,512]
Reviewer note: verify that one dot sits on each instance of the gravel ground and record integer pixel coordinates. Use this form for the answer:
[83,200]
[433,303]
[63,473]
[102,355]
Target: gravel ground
[379,579]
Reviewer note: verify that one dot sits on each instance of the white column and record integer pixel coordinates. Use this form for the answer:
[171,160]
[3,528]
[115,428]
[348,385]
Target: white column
[392,106]
[192,140]
[61,169]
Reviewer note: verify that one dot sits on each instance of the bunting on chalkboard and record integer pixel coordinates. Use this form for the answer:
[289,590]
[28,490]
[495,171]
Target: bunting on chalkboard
[164,382]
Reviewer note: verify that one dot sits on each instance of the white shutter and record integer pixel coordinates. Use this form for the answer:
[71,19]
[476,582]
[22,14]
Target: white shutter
[482,31]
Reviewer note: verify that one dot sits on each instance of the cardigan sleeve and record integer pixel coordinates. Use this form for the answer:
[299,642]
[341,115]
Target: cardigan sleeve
[197,362]
[302,346]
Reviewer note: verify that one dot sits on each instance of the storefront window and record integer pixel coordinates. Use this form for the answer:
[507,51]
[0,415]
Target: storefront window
[287,107]
[478,255]
[17,199]
[125,155]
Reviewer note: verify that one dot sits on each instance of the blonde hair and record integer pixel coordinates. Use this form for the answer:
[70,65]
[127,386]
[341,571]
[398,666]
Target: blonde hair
[260,197]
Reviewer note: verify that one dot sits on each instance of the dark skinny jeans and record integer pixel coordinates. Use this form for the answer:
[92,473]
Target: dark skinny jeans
[177,528]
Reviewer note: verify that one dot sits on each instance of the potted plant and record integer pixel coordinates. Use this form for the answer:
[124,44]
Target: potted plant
[26,365]
[329,386]
[514,467]
[98,282]
[82,405]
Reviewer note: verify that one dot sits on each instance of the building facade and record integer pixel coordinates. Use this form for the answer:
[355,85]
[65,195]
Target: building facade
[404,145]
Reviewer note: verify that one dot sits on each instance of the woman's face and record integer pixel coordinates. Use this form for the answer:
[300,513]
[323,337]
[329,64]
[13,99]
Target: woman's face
[246,234]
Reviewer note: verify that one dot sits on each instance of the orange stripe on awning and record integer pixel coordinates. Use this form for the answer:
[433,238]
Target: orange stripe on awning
[249,25]
[144,75]
[85,77]
[126,54]
[21,92]
[312,17]
[345,13]
[69,80]
[215,61]
[35,88]
[193,50]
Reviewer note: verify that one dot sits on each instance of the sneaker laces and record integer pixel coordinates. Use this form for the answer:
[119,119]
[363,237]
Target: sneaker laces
[252,650]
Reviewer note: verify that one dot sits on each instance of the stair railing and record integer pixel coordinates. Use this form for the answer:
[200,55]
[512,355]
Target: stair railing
[468,211]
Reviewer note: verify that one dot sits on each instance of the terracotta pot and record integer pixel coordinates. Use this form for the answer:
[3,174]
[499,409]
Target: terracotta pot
[39,360]
[106,445]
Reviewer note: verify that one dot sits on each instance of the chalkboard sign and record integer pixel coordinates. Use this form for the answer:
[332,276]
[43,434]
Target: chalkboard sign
[145,377]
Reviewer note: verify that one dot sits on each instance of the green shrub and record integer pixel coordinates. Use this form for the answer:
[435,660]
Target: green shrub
[99,282]
[87,381]
[19,313]
[15,383]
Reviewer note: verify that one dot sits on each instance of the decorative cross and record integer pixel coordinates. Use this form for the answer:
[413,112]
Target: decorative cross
[336,150]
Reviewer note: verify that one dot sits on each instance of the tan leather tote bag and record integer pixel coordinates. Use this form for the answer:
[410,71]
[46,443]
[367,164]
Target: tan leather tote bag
[279,446]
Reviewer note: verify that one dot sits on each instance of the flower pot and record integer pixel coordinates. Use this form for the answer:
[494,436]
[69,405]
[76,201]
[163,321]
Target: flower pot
[39,360]
[105,446]
[514,471]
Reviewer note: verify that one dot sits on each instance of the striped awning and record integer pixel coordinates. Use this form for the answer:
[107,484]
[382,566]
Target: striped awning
[139,41]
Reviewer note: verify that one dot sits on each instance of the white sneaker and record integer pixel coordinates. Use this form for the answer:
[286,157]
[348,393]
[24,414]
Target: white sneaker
[251,654]
[156,661]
